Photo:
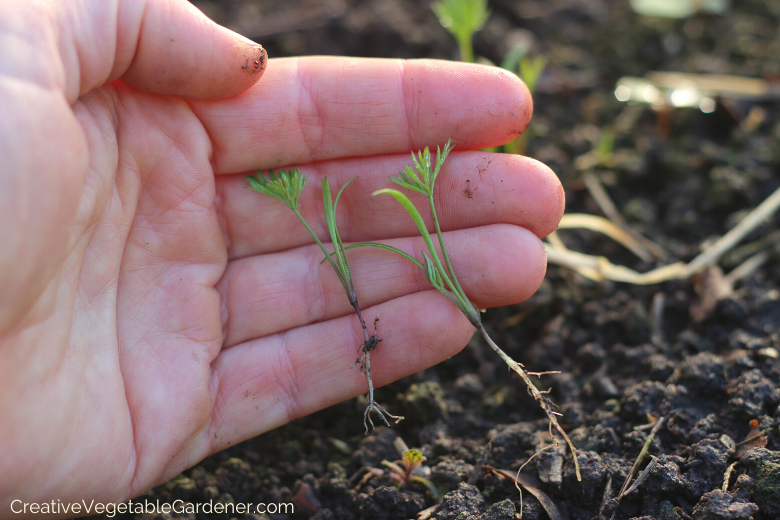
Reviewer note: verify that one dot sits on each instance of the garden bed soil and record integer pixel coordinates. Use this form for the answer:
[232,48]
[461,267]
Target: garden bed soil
[705,361]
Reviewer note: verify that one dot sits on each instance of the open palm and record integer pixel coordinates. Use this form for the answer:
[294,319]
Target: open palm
[152,311]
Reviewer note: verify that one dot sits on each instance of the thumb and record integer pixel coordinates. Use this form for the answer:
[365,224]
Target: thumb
[51,53]
[170,47]
[161,46]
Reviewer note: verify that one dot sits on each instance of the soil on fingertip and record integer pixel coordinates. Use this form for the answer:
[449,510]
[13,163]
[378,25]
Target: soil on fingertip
[705,360]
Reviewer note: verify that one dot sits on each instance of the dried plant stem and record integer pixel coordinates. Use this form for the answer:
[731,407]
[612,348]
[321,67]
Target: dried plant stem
[747,267]
[727,476]
[598,268]
[605,204]
[627,487]
[608,228]
[730,239]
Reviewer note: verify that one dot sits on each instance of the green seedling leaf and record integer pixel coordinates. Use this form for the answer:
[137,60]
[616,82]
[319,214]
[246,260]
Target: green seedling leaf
[423,169]
[330,219]
[421,179]
[338,195]
[441,155]
[606,146]
[432,274]
[428,485]
[423,165]
[412,459]
[381,246]
[416,218]
[409,179]
[456,297]
[513,57]
[285,187]
[462,16]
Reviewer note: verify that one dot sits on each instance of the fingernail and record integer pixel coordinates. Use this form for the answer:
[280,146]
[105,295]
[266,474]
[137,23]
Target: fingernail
[245,40]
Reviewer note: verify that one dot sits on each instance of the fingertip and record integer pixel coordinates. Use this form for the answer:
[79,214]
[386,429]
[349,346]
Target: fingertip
[535,265]
[507,267]
[551,197]
[505,109]
[527,260]
[518,104]
[182,52]
[525,108]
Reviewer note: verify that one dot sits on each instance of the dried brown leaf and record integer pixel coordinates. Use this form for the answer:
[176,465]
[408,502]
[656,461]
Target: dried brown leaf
[531,485]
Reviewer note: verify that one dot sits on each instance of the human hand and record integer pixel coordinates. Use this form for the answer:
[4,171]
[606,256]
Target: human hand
[152,310]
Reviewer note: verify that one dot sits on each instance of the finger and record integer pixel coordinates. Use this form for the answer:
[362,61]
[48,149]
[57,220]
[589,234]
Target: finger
[313,109]
[473,189]
[160,46]
[496,265]
[180,52]
[268,382]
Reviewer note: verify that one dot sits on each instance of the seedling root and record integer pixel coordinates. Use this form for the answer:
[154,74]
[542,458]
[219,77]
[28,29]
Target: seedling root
[368,345]
[545,403]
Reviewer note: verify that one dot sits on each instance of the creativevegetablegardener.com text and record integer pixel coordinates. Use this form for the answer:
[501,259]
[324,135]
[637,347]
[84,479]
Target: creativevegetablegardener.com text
[57,507]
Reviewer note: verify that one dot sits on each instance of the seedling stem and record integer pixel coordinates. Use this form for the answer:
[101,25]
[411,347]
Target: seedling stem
[421,179]
[287,188]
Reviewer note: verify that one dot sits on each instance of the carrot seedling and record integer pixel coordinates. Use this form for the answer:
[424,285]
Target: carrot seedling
[421,179]
[287,187]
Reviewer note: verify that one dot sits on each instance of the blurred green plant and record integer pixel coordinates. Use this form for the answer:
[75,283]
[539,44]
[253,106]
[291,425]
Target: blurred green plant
[462,18]
[529,70]
[605,152]
[286,187]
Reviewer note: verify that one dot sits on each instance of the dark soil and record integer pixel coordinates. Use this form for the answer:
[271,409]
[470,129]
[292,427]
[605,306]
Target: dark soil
[682,178]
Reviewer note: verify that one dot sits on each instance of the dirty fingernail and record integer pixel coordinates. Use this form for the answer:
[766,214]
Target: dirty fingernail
[244,39]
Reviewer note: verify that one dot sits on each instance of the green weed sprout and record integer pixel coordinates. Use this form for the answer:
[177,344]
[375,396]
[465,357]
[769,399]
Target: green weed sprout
[403,471]
[421,179]
[462,18]
[606,149]
[529,70]
[287,187]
